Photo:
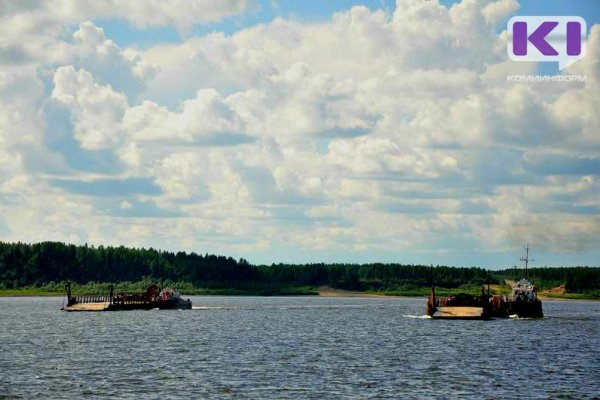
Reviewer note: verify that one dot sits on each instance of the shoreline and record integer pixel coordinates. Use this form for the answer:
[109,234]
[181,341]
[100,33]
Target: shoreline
[322,291]
[327,291]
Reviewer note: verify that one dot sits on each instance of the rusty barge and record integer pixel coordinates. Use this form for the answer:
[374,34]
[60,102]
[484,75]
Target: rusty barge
[152,298]
[523,302]
[460,306]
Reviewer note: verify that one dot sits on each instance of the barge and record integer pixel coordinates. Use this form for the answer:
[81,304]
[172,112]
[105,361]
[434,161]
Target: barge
[460,306]
[523,302]
[152,298]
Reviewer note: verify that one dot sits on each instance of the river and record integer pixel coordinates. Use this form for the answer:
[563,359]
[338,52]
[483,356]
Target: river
[295,347]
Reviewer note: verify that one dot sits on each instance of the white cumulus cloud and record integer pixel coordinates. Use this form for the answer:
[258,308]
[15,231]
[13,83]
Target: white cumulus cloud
[367,131]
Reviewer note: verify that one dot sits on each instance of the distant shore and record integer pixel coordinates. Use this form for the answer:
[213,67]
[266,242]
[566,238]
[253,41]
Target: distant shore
[327,291]
[321,291]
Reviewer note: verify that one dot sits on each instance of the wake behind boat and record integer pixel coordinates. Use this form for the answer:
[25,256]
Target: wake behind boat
[152,298]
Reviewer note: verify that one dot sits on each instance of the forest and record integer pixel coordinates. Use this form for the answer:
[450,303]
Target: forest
[48,264]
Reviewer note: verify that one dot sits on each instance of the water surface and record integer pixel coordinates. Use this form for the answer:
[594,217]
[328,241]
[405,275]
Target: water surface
[295,347]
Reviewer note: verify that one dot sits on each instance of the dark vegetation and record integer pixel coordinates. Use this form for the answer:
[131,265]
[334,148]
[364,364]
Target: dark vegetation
[44,266]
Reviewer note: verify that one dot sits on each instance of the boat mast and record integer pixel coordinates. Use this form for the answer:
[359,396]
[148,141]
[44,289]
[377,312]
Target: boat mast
[526,259]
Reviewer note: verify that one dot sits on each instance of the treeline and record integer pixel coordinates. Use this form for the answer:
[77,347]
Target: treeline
[26,265]
[376,276]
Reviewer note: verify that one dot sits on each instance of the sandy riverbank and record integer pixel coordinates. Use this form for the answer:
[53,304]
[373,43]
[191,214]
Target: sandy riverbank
[328,291]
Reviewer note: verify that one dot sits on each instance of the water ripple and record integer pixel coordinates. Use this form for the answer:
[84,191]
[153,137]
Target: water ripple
[295,348]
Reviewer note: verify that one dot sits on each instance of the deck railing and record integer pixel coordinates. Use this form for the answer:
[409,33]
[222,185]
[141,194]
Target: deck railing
[111,298]
[92,298]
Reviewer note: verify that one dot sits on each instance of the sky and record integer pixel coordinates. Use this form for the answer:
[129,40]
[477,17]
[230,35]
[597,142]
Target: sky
[298,131]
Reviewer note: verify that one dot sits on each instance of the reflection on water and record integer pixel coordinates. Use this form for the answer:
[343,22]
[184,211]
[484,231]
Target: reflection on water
[295,347]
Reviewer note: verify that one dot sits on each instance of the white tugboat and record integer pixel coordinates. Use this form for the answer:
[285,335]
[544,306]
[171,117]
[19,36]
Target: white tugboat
[524,302]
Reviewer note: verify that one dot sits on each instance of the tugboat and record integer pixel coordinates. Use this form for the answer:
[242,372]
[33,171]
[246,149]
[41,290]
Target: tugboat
[524,302]
[152,298]
[169,299]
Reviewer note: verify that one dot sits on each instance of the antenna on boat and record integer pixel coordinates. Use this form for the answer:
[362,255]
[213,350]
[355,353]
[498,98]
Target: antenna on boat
[432,277]
[431,274]
[527,260]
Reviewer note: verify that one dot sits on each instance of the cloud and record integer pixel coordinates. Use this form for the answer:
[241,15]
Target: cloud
[496,11]
[434,114]
[370,132]
[183,14]
[96,110]
[181,177]
[125,70]
[205,119]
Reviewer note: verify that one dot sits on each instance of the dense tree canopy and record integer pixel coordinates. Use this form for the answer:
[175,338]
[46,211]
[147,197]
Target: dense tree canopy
[36,264]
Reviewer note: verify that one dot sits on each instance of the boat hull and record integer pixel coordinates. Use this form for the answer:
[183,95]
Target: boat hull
[105,306]
[173,304]
[522,309]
